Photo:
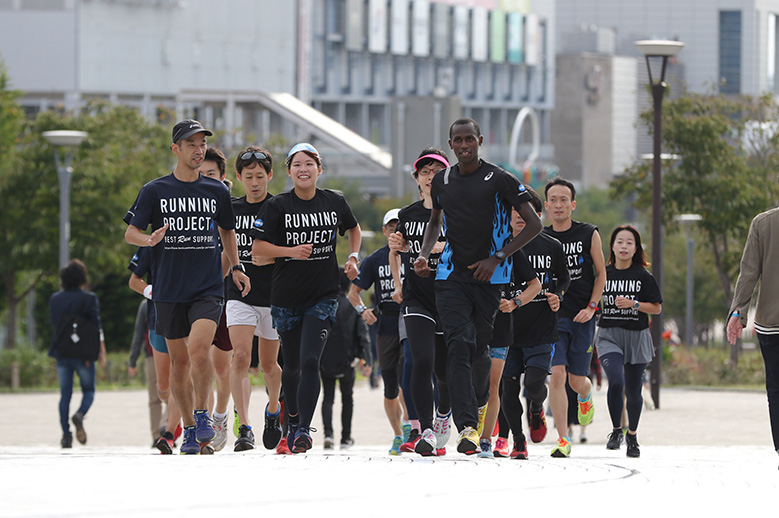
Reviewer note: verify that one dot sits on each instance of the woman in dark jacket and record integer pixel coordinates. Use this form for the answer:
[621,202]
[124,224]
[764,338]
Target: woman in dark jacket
[72,299]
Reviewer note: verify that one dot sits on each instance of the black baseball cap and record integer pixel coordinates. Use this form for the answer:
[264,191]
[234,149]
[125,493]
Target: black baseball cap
[187,128]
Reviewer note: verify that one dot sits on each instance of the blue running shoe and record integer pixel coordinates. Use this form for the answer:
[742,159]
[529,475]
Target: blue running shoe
[303,441]
[204,427]
[292,429]
[406,427]
[189,445]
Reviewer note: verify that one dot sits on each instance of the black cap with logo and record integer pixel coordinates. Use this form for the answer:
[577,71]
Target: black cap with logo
[187,128]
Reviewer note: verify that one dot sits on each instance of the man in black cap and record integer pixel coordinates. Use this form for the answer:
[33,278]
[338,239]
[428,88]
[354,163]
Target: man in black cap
[188,213]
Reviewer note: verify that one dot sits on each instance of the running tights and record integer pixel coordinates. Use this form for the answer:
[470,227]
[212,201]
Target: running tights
[303,346]
[627,377]
[429,355]
[511,404]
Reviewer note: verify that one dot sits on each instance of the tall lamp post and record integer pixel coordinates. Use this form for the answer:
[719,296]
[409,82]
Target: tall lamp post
[687,221]
[67,141]
[657,50]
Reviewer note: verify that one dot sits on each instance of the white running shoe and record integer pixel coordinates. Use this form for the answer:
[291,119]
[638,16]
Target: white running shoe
[220,427]
[426,444]
[442,429]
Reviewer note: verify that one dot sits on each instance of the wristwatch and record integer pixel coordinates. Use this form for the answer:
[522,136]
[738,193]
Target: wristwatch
[518,301]
[500,255]
[635,304]
[360,309]
[238,266]
[592,305]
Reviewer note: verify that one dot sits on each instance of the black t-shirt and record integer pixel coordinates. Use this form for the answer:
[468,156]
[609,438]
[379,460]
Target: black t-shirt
[412,223]
[260,276]
[477,218]
[535,323]
[187,262]
[375,270]
[635,283]
[286,220]
[140,265]
[576,243]
[503,327]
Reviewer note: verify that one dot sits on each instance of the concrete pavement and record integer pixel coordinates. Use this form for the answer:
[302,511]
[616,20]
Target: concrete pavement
[705,451]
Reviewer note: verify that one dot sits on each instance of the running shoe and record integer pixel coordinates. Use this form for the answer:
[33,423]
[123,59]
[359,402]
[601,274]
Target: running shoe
[282,448]
[482,416]
[501,448]
[206,448]
[189,445]
[236,423]
[442,429]
[411,444]
[303,441]
[245,439]
[406,427]
[519,451]
[165,443]
[440,452]
[583,436]
[615,439]
[586,410]
[67,441]
[537,426]
[271,435]
[631,441]
[426,445]
[329,443]
[395,448]
[177,433]
[220,427]
[485,449]
[204,428]
[347,443]
[292,429]
[468,442]
[78,422]
[563,448]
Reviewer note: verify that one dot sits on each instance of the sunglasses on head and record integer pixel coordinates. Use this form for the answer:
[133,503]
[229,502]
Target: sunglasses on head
[256,154]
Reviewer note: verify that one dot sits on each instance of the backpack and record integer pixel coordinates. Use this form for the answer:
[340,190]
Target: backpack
[78,337]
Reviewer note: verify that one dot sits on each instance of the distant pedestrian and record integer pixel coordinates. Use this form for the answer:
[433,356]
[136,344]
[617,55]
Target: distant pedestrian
[758,264]
[73,299]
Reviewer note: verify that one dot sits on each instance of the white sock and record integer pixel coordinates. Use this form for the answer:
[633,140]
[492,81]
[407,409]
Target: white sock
[218,416]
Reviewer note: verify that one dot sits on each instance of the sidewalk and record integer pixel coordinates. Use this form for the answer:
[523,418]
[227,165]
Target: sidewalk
[706,450]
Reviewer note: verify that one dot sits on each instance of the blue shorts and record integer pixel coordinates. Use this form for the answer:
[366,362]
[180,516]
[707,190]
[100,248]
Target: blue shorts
[498,353]
[574,346]
[520,358]
[158,342]
[285,319]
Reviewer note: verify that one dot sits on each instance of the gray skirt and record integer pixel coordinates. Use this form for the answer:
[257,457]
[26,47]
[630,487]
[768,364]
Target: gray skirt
[634,346]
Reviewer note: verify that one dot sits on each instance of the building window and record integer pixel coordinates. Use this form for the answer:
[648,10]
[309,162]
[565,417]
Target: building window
[730,51]
[771,53]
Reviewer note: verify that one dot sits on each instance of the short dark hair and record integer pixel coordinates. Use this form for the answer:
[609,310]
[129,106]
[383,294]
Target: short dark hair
[214,155]
[427,161]
[639,257]
[266,163]
[74,275]
[462,121]
[559,181]
[535,199]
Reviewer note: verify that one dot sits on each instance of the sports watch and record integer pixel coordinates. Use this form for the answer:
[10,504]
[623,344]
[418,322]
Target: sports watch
[592,305]
[238,266]
[636,304]
[500,254]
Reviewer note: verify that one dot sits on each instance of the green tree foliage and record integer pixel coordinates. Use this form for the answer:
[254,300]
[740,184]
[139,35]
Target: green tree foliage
[726,171]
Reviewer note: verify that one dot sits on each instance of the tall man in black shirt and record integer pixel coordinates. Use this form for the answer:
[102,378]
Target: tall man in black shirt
[474,199]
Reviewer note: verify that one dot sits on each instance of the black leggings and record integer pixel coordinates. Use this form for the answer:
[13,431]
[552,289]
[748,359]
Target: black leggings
[347,403]
[303,346]
[627,377]
[429,355]
[511,404]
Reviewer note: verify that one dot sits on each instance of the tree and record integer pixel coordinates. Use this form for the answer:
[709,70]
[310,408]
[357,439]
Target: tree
[123,151]
[725,171]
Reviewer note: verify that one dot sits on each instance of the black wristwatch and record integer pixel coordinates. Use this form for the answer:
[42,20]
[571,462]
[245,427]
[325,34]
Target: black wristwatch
[500,255]
[238,266]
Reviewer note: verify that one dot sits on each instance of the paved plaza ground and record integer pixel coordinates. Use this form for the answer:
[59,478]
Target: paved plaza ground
[706,452]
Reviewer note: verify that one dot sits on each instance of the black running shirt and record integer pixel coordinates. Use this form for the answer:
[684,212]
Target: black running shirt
[187,262]
[417,291]
[576,242]
[286,220]
[375,271]
[503,328]
[635,283]
[477,218]
[260,276]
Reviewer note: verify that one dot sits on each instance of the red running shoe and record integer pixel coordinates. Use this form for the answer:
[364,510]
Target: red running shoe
[520,451]
[537,426]
[282,448]
[411,445]
[501,448]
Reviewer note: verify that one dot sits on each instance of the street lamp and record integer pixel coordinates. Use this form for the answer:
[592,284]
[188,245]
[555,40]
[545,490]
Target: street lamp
[687,221]
[654,50]
[67,140]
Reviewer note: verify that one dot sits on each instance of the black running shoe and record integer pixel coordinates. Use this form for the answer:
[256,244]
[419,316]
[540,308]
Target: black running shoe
[615,439]
[165,443]
[632,443]
[245,439]
[271,435]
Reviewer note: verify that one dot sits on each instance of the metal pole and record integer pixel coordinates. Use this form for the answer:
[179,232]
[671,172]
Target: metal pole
[63,174]
[688,324]
[658,90]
